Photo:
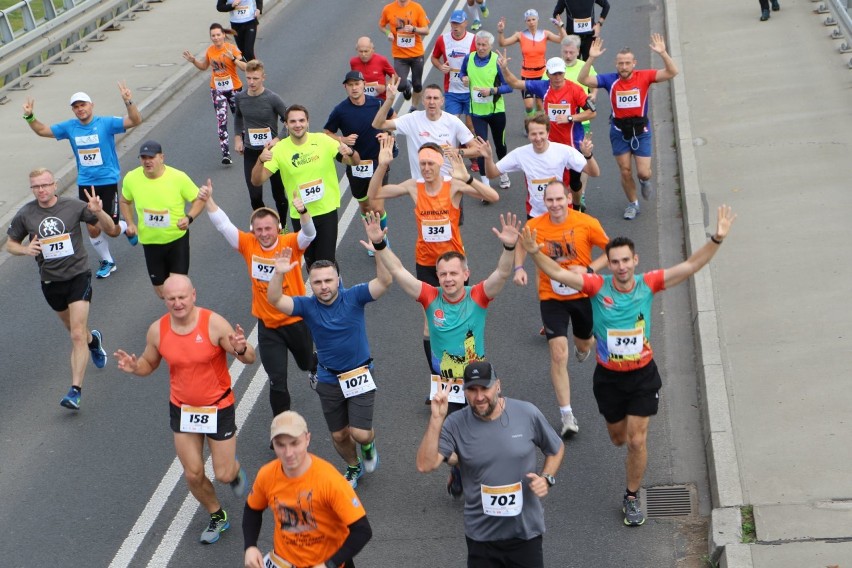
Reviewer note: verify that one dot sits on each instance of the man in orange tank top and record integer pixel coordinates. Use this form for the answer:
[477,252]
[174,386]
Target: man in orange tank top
[194,342]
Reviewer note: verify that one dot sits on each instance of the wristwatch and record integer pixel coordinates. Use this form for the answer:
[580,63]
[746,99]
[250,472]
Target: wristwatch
[551,481]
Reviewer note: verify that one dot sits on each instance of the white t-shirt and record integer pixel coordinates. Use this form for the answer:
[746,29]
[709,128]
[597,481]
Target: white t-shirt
[541,169]
[447,132]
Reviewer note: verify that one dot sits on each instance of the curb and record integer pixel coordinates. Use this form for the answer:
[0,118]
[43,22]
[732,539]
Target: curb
[720,446]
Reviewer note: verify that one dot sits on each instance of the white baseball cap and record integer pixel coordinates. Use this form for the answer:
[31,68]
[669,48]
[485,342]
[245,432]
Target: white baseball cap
[555,65]
[81,96]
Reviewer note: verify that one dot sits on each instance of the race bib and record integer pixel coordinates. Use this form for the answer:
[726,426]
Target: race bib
[537,187]
[272,560]
[90,157]
[240,12]
[223,83]
[156,219]
[312,191]
[453,386]
[436,231]
[562,289]
[624,341]
[262,268]
[259,136]
[363,169]
[59,246]
[371,89]
[404,39]
[198,419]
[357,381]
[627,99]
[502,500]
[478,97]
[455,78]
[555,111]
[582,25]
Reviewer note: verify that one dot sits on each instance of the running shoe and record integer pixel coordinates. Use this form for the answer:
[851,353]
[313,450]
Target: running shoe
[227,161]
[99,354]
[633,515]
[647,188]
[216,527]
[240,484]
[581,355]
[475,25]
[485,11]
[72,399]
[569,424]
[134,240]
[454,483]
[105,269]
[775,6]
[764,15]
[371,457]
[353,474]
[631,211]
[312,379]
[504,181]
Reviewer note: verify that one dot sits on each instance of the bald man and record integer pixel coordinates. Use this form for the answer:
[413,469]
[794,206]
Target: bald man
[194,342]
[375,67]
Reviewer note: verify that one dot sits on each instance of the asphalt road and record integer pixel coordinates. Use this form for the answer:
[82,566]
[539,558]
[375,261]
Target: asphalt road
[74,486]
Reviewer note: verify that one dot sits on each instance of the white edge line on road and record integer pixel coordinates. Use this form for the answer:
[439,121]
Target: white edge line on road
[180,524]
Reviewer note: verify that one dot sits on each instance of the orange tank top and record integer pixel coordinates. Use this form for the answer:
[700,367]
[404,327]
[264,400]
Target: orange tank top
[198,370]
[437,224]
[533,52]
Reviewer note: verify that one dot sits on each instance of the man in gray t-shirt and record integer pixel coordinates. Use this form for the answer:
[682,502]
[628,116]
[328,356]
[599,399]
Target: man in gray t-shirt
[494,441]
[52,225]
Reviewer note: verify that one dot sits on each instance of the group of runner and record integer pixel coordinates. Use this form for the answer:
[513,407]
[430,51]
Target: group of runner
[326,331]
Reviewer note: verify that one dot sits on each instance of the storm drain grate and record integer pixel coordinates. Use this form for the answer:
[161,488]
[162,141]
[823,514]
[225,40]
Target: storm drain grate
[669,501]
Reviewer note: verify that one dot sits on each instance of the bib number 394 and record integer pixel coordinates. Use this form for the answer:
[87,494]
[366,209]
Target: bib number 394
[502,500]
[357,381]
[198,419]
[624,341]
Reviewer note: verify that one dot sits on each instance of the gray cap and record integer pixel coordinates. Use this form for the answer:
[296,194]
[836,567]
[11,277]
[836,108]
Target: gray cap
[150,148]
[479,374]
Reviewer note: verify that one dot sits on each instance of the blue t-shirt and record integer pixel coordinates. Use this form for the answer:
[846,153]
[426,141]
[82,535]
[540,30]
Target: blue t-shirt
[94,147]
[339,329]
[350,118]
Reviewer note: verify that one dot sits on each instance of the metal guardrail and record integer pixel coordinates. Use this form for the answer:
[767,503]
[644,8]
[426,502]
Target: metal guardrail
[51,40]
[842,18]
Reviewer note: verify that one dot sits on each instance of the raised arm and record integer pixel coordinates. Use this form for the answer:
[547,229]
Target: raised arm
[150,359]
[275,293]
[260,174]
[680,272]
[504,41]
[508,235]
[377,191]
[35,124]
[595,50]
[134,117]
[386,257]
[381,120]
[201,64]
[428,456]
[548,265]
[221,221]
[96,206]
[232,339]
[510,78]
[658,45]
[466,183]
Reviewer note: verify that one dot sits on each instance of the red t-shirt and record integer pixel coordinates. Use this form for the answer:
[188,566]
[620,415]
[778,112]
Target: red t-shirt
[375,71]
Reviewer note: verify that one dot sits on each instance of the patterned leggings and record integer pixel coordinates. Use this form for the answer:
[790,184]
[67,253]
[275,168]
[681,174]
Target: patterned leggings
[222,100]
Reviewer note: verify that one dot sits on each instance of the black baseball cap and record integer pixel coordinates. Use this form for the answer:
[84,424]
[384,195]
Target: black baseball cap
[353,76]
[479,374]
[150,148]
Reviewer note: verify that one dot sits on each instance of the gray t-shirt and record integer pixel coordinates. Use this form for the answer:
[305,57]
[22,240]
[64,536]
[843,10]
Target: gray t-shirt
[495,454]
[58,229]
[256,114]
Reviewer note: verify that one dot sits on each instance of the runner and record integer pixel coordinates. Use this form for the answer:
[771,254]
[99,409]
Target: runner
[306,162]
[256,125]
[565,103]
[630,130]
[276,333]
[319,521]
[626,379]
[375,68]
[159,193]
[503,515]
[533,52]
[405,24]
[455,312]
[194,342]
[245,17]
[225,59]
[450,50]
[52,225]
[92,140]
[568,238]
[542,161]
[354,119]
[346,387]
[581,20]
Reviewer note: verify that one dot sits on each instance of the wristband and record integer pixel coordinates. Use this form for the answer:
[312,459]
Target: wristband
[381,245]
[469,180]
[517,268]
[191,219]
[590,270]
[128,103]
[509,248]
[305,210]
[241,353]
[715,240]
[29,118]
[589,157]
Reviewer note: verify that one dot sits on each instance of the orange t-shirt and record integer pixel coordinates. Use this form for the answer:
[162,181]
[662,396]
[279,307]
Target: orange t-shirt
[224,67]
[261,265]
[312,512]
[533,53]
[569,243]
[404,45]
[437,224]
[198,369]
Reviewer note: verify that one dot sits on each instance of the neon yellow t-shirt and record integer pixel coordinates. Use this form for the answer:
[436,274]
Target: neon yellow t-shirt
[308,168]
[160,203]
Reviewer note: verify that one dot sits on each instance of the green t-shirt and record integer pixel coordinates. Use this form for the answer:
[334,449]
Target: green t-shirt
[310,169]
[160,203]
